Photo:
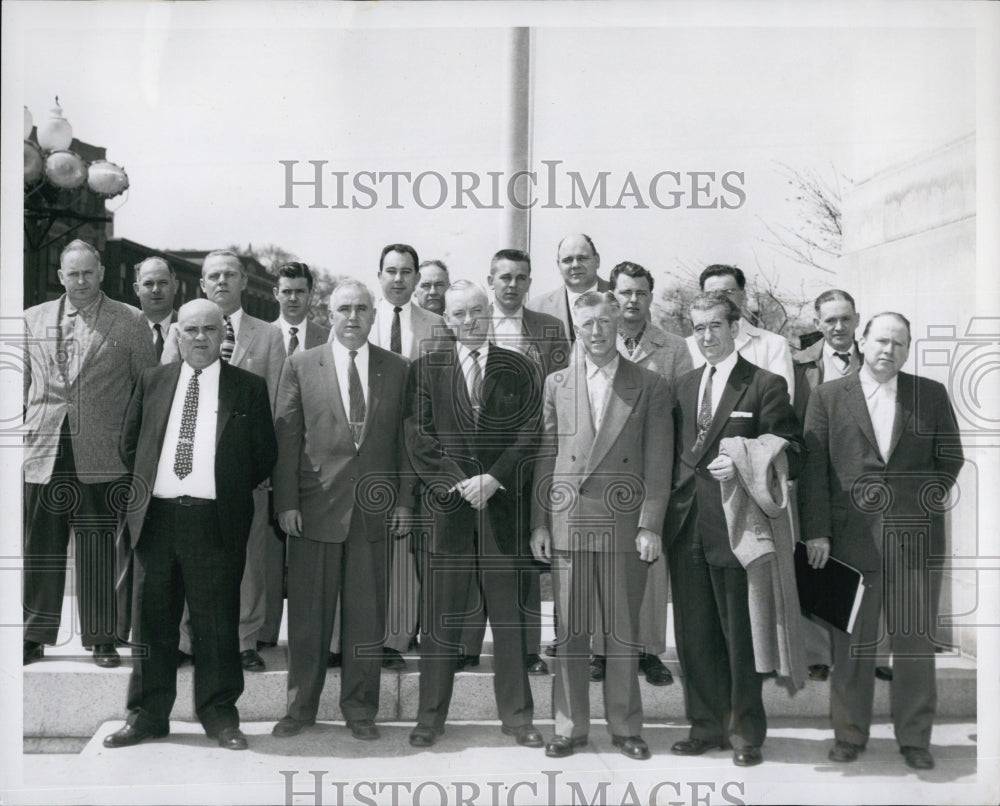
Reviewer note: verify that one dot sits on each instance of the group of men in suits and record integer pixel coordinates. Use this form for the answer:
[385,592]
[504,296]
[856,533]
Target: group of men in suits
[426,466]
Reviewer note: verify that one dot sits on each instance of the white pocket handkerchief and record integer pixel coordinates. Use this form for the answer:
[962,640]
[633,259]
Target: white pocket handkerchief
[742,414]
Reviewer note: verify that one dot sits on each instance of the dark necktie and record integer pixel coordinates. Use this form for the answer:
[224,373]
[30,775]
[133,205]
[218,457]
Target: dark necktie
[293,340]
[158,340]
[845,359]
[185,440]
[356,416]
[229,342]
[705,410]
[476,394]
[569,316]
[396,334]
[631,344]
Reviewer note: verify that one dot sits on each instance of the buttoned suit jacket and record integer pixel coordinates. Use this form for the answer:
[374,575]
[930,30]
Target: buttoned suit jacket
[809,371]
[595,490]
[91,398]
[446,445]
[761,347]
[661,352]
[316,335]
[847,488]
[245,446]
[556,303]
[696,500]
[429,333]
[320,472]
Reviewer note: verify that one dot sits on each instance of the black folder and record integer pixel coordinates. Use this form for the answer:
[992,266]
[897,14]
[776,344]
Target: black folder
[831,593]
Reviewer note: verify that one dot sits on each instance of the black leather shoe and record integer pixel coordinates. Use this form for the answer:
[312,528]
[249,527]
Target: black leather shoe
[287,726]
[363,729]
[130,735]
[106,656]
[843,752]
[423,736]
[819,671]
[632,746]
[883,672]
[266,645]
[694,747]
[597,668]
[526,735]
[748,756]
[550,650]
[656,673]
[535,665]
[334,660]
[392,660]
[33,651]
[232,739]
[562,746]
[466,662]
[251,661]
[918,758]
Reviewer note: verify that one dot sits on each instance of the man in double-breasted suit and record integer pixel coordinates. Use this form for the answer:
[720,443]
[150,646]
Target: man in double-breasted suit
[198,438]
[471,435]
[83,353]
[340,499]
[728,397]
[601,485]
[883,450]
[578,261]
[254,345]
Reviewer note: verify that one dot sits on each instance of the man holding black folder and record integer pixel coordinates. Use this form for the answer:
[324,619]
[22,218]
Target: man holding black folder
[880,444]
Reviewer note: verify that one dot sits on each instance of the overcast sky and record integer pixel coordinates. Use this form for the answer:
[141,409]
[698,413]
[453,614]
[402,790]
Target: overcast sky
[200,103]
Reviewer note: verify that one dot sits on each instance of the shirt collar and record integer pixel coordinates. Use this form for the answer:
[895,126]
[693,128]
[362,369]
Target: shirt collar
[870,384]
[389,305]
[164,323]
[86,310]
[830,353]
[608,369]
[341,354]
[465,354]
[236,317]
[499,316]
[286,326]
[209,372]
[725,366]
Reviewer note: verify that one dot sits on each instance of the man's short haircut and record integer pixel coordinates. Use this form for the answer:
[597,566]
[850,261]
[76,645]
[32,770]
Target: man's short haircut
[591,299]
[350,282]
[139,266]
[714,299]
[832,295]
[583,235]
[405,248]
[898,316]
[722,270]
[630,269]
[513,255]
[229,254]
[434,262]
[294,270]
[77,245]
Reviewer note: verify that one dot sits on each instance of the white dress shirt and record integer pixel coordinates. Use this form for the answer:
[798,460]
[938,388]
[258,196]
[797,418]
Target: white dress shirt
[341,362]
[881,401]
[286,334]
[200,482]
[508,330]
[722,372]
[164,323]
[761,347]
[833,367]
[465,360]
[383,321]
[599,382]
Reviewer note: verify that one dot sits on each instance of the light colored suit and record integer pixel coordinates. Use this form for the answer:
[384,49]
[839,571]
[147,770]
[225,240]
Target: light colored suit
[556,303]
[594,490]
[760,347]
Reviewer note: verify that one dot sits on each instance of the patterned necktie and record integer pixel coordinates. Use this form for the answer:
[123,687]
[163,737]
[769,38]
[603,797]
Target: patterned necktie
[845,359]
[158,340]
[705,410]
[396,334]
[229,342]
[293,340]
[185,440]
[630,344]
[476,394]
[356,417]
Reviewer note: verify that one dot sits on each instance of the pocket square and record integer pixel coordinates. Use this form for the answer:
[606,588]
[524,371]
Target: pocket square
[742,414]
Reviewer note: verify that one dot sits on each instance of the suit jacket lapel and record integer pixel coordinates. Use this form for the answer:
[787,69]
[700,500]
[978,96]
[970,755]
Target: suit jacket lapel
[248,332]
[904,410]
[374,392]
[332,383]
[621,402]
[573,406]
[160,404]
[855,401]
[227,398]
[731,394]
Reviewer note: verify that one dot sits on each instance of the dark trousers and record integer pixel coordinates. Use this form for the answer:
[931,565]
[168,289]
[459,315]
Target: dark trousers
[181,556]
[66,503]
[318,573]
[908,598]
[616,581]
[722,688]
[445,581]
[530,593]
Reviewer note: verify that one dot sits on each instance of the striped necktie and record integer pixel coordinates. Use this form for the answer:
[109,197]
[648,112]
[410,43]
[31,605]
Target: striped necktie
[229,342]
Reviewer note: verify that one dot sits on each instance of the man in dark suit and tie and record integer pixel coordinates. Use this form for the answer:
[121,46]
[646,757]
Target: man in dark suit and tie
[578,262]
[728,397]
[198,439]
[601,484]
[83,352]
[156,286]
[471,433]
[883,451]
[340,499]
[254,345]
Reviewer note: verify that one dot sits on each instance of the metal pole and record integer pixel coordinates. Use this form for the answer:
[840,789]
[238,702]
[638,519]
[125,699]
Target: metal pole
[515,230]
